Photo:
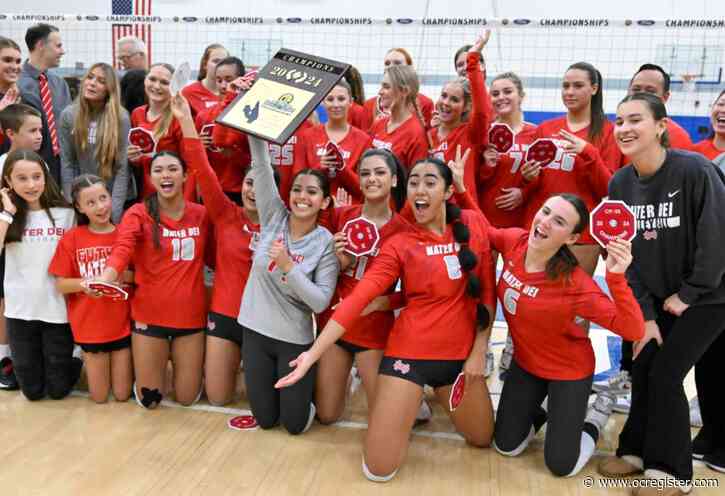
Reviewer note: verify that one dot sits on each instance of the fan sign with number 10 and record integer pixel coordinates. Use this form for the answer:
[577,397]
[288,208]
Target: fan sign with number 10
[612,219]
[362,236]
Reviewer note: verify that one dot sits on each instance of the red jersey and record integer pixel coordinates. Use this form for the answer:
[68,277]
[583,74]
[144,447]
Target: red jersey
[707,147]
[679,138]
[236,235]
[199,97]
[358,117]
[471,134]
[439,319]
[169,281]
[506,174]
[584,175]
[283,157]
[228,163]
[370,331]
[311,148]
[555,347]
[408,141]
[425,105]
[169,142]
[82,254]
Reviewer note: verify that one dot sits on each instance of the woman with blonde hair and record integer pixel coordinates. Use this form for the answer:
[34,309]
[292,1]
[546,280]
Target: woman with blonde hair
[93,136]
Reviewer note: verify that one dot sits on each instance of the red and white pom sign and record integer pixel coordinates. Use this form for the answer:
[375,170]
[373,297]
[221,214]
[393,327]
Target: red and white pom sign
[501,137]
[542,150]
[243,423]
[612,219]
[108,290]
[333,150]
[142,138]
[362,236]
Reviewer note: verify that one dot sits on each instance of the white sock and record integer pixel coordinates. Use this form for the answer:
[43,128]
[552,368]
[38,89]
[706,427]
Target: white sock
[4,351]
[376,478]
[586,450]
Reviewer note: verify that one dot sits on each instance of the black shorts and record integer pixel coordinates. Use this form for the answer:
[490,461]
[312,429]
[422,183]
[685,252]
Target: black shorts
[108,347]
[221,326]
[353,349]
[433,373]
[168,333]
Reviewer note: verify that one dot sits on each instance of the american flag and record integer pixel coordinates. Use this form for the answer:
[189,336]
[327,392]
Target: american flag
[141,31]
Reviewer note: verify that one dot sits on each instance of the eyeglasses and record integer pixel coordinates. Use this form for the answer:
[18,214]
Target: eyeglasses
[123,58]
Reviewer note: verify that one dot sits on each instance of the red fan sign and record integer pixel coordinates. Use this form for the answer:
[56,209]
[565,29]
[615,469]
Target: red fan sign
[108,290]
[543,151]
[332,149]
[501,137]
[457,391]
[362,236]
[243,423]
[612,219]
[142,138]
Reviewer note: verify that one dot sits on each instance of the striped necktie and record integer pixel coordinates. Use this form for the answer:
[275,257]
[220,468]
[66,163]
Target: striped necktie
[47,99]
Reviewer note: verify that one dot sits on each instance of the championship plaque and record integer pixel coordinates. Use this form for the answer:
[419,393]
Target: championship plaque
[287,90]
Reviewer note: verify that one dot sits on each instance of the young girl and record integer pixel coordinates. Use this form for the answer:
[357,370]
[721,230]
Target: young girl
[677,277]
[378,107]
[502,189]
[157,117]
[381,178]
[444,263]
[165,237]
[462,117]
[311,151]
[34,218]
[101,327]
[402,132]
[236,232]
[293,276]
[553,357]
[714,147]
[229,161]
[94,136]
[204,93]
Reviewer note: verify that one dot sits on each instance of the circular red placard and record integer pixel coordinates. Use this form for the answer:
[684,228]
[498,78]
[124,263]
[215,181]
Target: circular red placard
[501,137]
[243,423]
[362,236]
[543,151]
[142,138]
[612,219]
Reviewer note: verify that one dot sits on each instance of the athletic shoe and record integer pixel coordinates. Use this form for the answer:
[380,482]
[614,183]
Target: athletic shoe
[616,467]
[622,403]
[311,418]
[355,380]
[695,415]
[599,412]
[489,364]
[424,414]
[619,383]
[506,356]
[8,381]
[715,461]
[701,445]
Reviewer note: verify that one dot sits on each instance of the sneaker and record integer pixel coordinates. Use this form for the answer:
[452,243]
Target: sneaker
[619,383]
[695,415]
[8,381]
[489,364]
[424,414]
[598,414]
[715,461]
[701,445]
[622,403]
[311,418]
[617,467]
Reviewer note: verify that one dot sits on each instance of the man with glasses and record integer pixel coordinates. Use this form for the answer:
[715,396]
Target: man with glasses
[132,54]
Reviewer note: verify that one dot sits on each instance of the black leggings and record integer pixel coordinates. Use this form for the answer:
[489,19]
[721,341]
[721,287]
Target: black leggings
[520,410]
[265,361]
[658,427]
[42,358]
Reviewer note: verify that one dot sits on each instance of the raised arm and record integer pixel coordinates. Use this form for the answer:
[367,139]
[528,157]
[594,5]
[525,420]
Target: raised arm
[266,194]
[480,119]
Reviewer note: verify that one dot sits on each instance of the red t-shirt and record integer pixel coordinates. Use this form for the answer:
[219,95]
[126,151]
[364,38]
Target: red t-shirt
[707,147]
[439,319]
[359,117]
[311,147]
[584,175]
[506,174]
[370,331]
[228,163]
[555,347]
[471,134]
[169,142]
[199,97]
[283,157]
[236,235]
[82,254]
[408,141]
[169,281]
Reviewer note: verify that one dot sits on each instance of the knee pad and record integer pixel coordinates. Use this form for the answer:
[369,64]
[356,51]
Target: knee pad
[376,478]
[149,398]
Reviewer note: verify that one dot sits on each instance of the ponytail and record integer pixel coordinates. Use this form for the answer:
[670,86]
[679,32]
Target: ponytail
[152,207]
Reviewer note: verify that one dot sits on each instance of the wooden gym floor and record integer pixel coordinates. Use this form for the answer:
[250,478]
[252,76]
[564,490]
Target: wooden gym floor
[75,447]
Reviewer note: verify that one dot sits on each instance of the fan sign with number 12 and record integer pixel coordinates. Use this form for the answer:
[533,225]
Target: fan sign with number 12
[612,219]
[362,236]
